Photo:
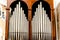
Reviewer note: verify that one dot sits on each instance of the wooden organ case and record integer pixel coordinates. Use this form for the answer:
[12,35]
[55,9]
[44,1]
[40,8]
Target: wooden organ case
[33,19]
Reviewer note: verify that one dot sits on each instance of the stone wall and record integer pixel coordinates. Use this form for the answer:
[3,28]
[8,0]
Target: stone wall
[2,21]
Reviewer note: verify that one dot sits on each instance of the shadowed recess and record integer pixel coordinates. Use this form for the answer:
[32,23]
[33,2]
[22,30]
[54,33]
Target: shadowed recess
[45,5]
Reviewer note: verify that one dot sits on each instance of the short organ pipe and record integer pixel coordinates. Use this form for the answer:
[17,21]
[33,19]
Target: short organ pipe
[18,24]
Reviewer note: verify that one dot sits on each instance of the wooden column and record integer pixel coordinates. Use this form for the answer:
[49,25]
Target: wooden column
[7,23]
[53,25]
[30,25]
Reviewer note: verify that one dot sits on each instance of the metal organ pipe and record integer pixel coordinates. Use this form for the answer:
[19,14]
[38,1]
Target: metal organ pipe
[36,24]
[34,31]
[47,25]
[10,27]
[18,19]
[14,22]
[13,25]
[19,23]
[39,22]
[43,23]
[40,19]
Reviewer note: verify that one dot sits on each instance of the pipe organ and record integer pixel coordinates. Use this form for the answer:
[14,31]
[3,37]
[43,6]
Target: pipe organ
[30,23]
[18,24]
[41,24]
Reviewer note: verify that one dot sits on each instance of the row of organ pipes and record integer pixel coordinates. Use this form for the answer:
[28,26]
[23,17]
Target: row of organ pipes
[18,24]
[41,24]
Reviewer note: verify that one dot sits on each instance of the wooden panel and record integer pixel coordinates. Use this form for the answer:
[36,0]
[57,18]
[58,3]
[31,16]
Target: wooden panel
[6,29]
[53,25]
[9,2]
